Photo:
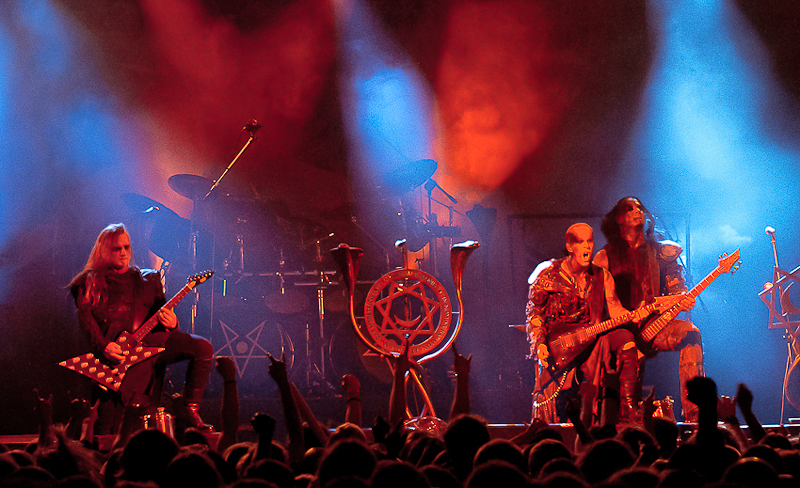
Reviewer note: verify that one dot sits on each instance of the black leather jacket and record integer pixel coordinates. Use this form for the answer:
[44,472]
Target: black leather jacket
[130,299]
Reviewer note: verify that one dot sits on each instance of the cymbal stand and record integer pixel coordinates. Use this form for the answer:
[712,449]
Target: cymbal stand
[384,249]
[321,308]
[433,220]
[193,250]
[322,282]
[252,127]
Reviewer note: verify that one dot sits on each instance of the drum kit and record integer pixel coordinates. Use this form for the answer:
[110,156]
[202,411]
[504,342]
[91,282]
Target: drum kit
[274,278]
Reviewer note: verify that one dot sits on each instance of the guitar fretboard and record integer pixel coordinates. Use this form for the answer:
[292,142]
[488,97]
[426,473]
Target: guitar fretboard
[145,329]
[655,327]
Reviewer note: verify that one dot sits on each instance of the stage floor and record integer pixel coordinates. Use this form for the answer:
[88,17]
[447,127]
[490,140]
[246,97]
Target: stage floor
[496,431]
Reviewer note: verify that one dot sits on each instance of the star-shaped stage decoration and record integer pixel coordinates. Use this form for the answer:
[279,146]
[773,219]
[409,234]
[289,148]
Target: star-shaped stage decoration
[242,349]
[407,305]
[393,326]
[780,317]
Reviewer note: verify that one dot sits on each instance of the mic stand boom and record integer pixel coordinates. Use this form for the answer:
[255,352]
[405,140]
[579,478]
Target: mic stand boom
[219,180]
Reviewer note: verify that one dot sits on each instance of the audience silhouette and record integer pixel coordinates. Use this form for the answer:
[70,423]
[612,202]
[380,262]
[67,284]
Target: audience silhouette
[400,454]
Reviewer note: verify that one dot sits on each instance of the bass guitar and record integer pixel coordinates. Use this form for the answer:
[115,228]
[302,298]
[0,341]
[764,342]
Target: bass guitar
[110,374]
[568,341]
[651,327]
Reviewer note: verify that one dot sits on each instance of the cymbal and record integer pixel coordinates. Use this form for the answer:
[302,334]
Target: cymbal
[191,186]
[411,175]
[150,208]
[167,232]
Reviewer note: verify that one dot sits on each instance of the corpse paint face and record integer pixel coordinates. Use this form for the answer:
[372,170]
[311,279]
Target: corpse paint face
[633,216]
[121,252]
[580,244]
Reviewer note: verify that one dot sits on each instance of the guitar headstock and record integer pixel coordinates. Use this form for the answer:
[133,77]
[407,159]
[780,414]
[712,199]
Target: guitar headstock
[729,264]
[198,278]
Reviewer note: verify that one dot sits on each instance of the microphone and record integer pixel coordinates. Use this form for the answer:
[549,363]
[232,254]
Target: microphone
[770,230]
[252,126]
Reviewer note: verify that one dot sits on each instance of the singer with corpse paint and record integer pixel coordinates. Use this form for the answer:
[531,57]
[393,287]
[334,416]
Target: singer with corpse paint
[112,295]
[573,293]
[643,268]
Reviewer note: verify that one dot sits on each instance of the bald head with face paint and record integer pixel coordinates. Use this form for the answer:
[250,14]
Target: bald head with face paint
[580,244]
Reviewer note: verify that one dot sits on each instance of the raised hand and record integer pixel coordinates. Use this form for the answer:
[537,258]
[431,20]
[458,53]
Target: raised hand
[649,405]
[702,391]
[351,386]
[44,407]
[226,368]
[744,398]
[380,429]
[461,365]
[726,409]
[402,362]
[277,369]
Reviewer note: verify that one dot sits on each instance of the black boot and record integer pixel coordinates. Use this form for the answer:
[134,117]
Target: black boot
[196,378]
[629,387]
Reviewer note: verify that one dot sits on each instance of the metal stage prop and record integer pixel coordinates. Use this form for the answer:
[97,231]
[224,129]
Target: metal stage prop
[784,314]
[407,308]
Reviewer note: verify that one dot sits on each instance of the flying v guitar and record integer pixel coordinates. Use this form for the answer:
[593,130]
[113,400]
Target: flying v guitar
[110,374]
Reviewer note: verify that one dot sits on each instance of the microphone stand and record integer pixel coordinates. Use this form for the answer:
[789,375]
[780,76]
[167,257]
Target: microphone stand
[774,247]
[789,333]
[252,127]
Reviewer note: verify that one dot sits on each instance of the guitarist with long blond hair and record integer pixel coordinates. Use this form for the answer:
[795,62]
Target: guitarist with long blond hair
[112,296]
[643,268]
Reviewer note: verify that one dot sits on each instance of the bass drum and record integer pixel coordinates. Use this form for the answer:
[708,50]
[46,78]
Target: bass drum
[247,333]
[348,355]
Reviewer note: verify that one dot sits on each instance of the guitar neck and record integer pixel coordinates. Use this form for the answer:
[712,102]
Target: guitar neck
[146,327]
[606,325]
[655,326]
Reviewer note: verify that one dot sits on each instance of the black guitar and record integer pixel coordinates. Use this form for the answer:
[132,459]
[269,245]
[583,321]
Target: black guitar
[568,342]
[110,375]
[651,327]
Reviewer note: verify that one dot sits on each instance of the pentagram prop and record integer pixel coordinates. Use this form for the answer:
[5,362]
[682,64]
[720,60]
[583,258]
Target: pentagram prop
[407,306]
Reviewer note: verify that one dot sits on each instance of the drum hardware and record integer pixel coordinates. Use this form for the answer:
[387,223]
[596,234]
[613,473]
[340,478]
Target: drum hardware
[164,231]
[199,189]
[421,230]
[423,336]
[322,282]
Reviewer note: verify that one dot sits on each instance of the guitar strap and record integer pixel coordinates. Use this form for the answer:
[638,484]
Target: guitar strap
[141,310]
[597,296]
[638,278]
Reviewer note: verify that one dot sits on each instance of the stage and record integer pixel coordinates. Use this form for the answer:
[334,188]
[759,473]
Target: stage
[496,431]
